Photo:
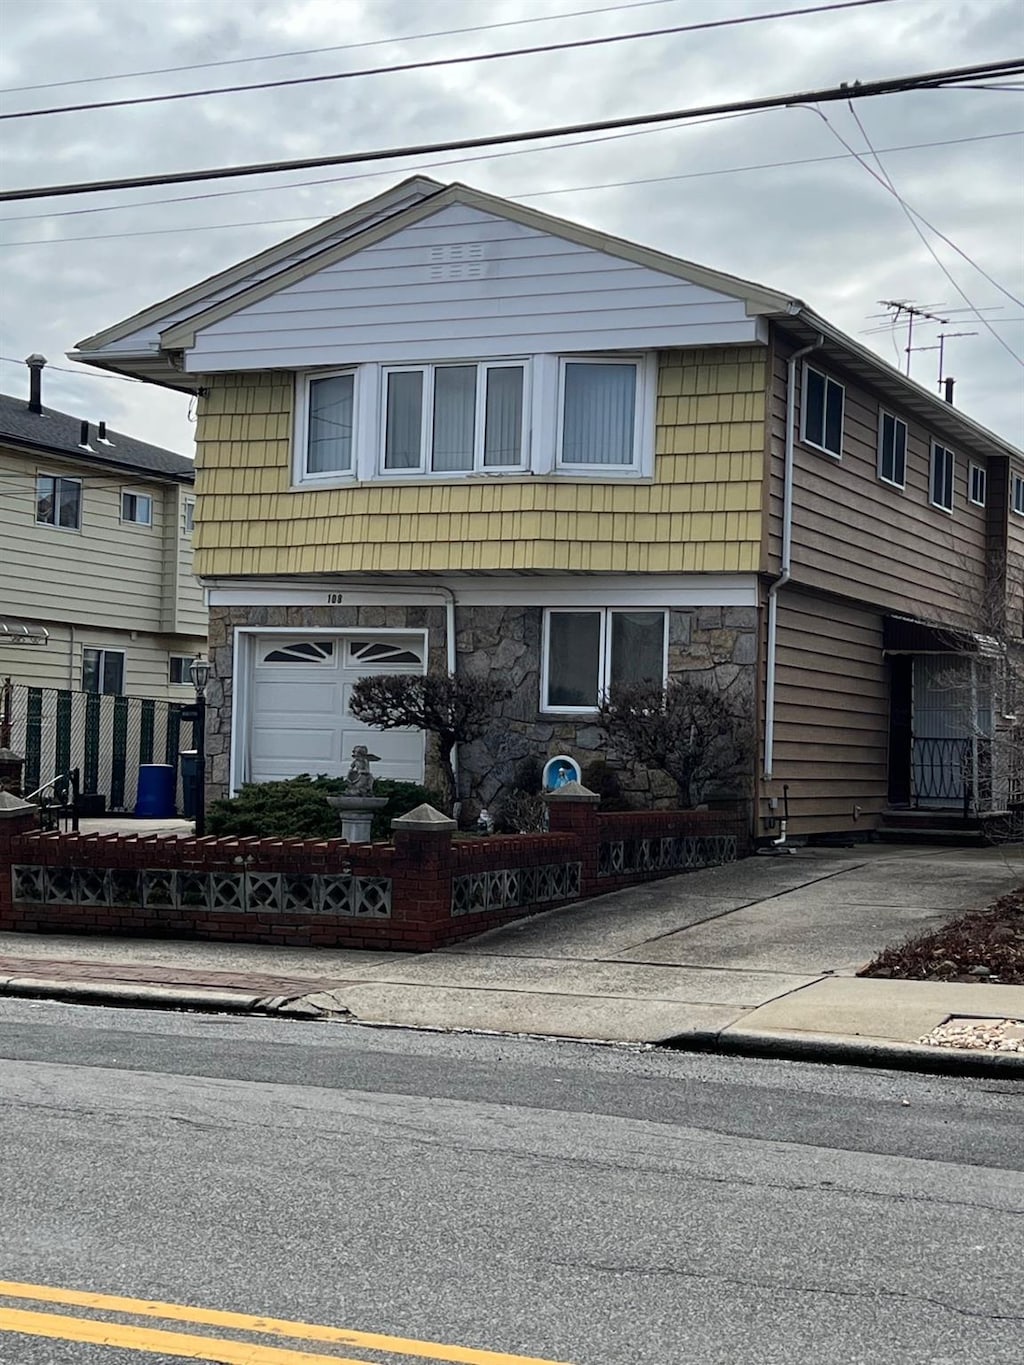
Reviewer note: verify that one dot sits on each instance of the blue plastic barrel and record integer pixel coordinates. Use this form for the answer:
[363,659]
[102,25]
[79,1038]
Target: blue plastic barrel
[155,797]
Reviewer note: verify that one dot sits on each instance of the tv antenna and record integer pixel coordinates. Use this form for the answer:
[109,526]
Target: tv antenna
[903,307]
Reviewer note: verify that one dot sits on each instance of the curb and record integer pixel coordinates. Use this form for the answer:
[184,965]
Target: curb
[131,993]
[834,1049]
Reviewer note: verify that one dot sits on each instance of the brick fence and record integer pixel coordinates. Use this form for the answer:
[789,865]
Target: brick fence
[423,890]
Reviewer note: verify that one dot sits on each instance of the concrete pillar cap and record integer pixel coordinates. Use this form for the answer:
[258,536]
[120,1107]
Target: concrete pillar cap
[12,806]
[424,818]
[573,791]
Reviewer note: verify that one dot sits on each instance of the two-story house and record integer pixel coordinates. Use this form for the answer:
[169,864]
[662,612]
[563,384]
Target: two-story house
[445,431]
[97,592]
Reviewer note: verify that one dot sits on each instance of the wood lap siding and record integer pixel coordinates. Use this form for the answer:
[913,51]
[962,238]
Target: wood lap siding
[855,535]
[832,714]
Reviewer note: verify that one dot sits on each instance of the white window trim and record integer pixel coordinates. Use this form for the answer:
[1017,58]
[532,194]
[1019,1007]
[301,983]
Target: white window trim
[1017,483]
[361,378]
[644,404]
[805,439]
[107,649]
[983,471]
[186,681]
[188,516]
[428,371]
[940,507]
[883,413]
[542,422]
[133,521]
[604,653]
[53,525]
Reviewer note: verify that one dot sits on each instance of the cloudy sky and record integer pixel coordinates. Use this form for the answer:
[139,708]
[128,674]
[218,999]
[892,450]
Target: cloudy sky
[772,196]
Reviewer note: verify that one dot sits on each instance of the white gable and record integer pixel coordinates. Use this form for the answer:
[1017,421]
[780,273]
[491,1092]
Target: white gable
[464,282]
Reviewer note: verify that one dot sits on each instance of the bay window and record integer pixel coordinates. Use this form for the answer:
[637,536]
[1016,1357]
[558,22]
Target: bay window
[444,419]
[587,650]
[330,416]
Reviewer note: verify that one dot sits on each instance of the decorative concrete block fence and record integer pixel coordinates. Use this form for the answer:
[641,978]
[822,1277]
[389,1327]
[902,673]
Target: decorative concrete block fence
[423,890]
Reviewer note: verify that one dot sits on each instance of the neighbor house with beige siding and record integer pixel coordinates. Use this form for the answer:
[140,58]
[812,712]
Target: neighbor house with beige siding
[98,591]
[444,431]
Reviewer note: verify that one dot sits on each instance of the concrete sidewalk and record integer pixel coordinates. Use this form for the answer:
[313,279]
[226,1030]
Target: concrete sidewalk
[759,956]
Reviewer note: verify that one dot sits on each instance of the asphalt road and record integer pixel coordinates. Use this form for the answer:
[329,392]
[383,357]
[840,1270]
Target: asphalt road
[566,1203]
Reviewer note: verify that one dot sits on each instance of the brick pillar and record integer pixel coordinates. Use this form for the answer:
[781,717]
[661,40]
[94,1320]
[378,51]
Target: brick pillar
[11,767]
[421,886]
[17,817]
[572,809]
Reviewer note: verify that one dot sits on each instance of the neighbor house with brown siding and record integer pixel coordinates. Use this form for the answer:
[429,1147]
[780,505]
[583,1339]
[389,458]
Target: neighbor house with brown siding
[444,431]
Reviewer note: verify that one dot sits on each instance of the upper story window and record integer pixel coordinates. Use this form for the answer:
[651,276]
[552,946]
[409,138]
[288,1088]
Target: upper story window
[941,483]
[59,501]
[1018,495]
[189,516]
[103,671]
[137,507]
[822,412]
[598,412]
[330,416]
[444,419]
[591,417]
[586,651]
[977,481]
[892,450]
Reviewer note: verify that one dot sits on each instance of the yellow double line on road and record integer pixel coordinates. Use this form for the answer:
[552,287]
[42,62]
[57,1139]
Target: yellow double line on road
[189,1346]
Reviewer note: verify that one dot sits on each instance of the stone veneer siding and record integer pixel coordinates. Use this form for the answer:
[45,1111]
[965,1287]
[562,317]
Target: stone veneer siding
[714,644]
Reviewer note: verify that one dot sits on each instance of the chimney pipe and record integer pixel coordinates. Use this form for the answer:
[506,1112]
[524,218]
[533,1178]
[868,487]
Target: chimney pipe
[83,437]
[102,434]
[949,389]
[35,363]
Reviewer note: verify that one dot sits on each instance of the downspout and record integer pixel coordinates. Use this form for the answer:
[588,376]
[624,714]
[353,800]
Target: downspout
[785,566]
[449,639]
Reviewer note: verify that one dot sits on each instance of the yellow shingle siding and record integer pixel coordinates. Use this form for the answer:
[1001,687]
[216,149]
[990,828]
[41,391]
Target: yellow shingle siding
[701,513]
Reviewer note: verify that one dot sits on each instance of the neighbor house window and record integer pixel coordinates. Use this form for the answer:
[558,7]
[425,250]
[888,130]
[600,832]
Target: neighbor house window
[103,671]
[977,484]
[447,419]
[822,412]
[892,450]
[586,651]
[58,501]
[1018,495]
[189,516]
[330,421]
[942,478]
[179,670]
[137,507]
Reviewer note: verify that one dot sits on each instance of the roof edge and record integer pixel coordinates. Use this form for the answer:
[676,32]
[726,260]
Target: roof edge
[237,272]
[23,444]
[181,335]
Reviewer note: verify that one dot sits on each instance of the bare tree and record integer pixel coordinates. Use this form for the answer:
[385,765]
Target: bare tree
[688,730]
[453,709]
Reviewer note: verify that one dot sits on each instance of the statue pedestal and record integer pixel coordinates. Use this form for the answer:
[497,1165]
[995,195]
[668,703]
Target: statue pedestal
[357,814]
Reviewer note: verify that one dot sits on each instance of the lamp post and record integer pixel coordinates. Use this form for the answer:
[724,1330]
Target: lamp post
[199,673]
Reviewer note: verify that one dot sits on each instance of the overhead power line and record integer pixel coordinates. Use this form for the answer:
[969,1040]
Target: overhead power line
[436,62]
[340,47]
[919,81]
[512,194]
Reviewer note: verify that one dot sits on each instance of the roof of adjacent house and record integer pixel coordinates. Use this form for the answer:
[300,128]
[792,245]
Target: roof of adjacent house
[59,433]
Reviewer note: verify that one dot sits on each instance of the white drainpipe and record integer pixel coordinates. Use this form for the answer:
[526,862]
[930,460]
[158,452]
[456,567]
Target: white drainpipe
[786,564]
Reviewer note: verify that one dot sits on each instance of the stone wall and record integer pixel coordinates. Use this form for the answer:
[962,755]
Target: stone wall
[717,645]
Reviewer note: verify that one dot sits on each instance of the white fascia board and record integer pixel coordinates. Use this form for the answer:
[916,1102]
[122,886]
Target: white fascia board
[608,590]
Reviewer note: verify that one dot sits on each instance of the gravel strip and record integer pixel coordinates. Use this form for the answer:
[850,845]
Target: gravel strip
[978,1035]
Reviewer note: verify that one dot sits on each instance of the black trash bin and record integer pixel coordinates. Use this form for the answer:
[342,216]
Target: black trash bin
[189,782]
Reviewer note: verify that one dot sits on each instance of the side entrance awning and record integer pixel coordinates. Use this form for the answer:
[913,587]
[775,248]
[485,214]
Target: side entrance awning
[907,635]
[14,632]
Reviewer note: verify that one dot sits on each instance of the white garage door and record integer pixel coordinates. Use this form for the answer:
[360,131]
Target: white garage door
[300,721]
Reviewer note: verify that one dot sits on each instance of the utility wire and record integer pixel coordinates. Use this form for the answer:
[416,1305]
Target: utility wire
[513,194]
[343,47]
[911,216]
[436,62]
[82,374]
[846,91]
